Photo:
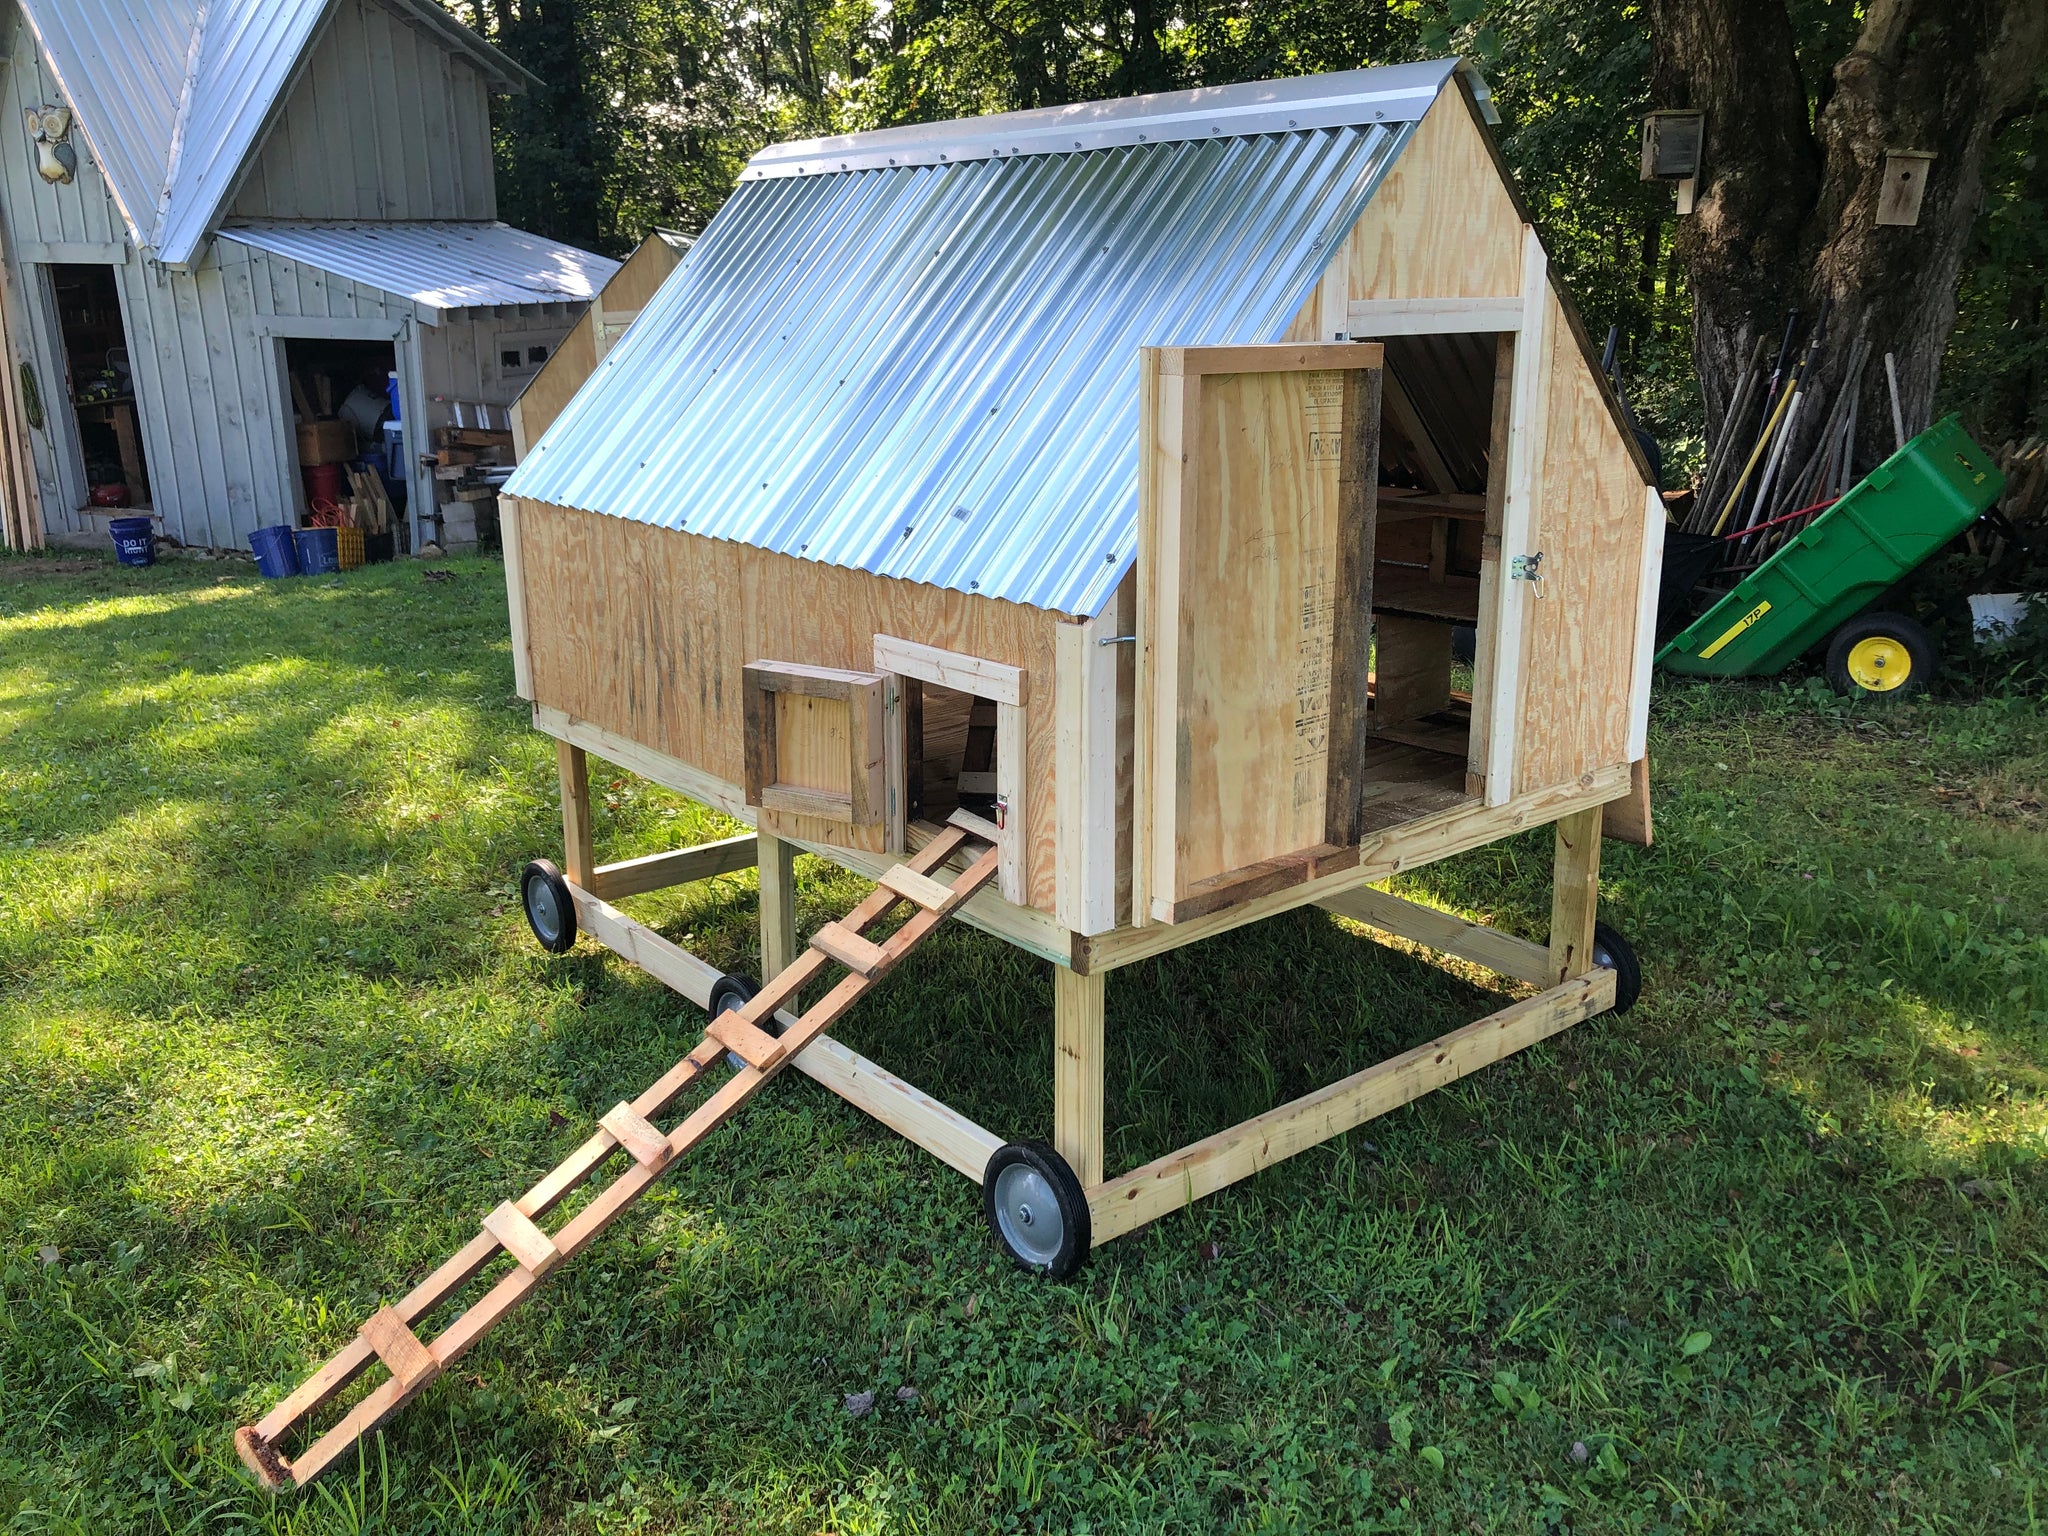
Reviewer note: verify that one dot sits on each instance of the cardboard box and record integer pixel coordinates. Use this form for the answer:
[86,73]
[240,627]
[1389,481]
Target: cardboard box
[326,442]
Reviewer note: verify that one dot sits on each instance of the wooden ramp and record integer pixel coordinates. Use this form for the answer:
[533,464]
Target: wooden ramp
[391,1335]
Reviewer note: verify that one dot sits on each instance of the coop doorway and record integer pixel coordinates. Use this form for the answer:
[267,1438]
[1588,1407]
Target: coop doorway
[99,386]
[1443,428]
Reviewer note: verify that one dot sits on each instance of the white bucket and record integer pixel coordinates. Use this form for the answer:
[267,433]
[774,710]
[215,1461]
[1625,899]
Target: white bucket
[1997,616]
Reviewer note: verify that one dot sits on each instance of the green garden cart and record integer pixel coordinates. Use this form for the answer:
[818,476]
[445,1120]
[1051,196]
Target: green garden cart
[1820,583]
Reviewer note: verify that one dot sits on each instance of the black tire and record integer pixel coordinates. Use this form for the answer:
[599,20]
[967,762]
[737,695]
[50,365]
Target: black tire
[550,909]
[1866,654]
[729,994]
[1036,1209]
[1613,952]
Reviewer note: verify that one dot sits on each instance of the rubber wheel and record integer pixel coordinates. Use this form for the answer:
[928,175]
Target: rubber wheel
[550,909]
[729,994]
[1614,953]
[1879,655]
[1036,1209]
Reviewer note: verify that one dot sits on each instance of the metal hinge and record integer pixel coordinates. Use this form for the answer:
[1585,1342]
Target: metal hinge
[1526,567]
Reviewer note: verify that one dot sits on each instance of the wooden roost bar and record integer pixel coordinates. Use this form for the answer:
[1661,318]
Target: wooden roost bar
[1068,520]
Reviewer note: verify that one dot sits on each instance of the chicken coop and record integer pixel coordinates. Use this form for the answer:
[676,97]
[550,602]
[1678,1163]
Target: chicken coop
[1068,519]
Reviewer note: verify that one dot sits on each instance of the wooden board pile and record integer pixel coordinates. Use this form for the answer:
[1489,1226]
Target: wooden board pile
[470,463]
[367,505]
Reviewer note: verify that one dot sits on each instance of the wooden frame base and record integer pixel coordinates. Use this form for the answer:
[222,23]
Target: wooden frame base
[1571,991]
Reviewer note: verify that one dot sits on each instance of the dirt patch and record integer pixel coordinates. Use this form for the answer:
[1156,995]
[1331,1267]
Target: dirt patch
[28,570]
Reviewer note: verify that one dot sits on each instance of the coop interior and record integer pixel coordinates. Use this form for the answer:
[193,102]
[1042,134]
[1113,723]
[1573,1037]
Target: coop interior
[950,755]
[1438,408]
[101,385]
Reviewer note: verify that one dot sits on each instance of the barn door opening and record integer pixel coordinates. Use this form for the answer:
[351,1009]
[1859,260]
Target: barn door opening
[340,397]
[100,385]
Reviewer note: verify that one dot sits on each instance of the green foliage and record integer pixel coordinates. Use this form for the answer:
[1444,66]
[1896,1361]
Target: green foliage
[1996,371]
[1764,1255]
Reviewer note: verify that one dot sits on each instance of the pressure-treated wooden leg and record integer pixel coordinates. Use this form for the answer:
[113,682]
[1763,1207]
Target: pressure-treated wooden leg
[1077,1064]
[1575,894]
[579,860]
[777,860]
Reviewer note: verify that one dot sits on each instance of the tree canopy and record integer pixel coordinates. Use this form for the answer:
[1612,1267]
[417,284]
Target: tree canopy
[651,108]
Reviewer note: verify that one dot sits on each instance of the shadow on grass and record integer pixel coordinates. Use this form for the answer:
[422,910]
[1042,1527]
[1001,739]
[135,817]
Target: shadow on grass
[271,1050]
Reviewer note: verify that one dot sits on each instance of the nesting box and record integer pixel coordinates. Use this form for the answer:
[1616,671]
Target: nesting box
[1210,497]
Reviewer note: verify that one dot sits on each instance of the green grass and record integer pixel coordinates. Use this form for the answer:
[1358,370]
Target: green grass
[1768,1254]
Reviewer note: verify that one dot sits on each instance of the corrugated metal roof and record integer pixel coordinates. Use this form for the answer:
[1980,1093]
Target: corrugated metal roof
[1397,93]
[173,95]
[439,265]
[931,372]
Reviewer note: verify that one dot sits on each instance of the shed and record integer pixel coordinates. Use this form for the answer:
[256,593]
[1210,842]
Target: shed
[203,203]
[1067,519]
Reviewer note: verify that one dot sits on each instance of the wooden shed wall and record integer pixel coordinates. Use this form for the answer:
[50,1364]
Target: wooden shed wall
[1445,225]
[384,122]
[643,631]
[75,221]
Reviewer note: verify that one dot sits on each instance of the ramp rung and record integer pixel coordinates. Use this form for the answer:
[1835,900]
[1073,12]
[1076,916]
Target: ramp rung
[847,947]
[533,1248]
[650,1149]
[752,1044]
[511,1228]
[922,889]
[977,826]
[408,1360]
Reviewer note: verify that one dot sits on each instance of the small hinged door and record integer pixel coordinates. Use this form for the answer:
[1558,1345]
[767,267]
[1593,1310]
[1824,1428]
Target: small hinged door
[1259,475]
[815,748]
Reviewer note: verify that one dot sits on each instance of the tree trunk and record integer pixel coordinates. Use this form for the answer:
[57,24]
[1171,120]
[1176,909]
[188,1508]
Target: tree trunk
[1786,214]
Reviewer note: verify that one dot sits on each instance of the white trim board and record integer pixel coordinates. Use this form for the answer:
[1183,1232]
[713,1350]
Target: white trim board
[985,679]
[1526,432]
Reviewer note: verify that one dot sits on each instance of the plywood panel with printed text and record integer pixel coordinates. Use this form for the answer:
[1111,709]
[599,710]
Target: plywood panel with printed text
[1257,565]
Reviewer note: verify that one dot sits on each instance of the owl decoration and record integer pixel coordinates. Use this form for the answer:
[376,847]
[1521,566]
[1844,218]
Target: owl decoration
[50,128]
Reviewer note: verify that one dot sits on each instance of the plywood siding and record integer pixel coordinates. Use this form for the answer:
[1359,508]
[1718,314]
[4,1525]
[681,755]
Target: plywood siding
[1441,226]
[1445,225]
[384,122]
[1257,569]
[1580,641]
[644,631]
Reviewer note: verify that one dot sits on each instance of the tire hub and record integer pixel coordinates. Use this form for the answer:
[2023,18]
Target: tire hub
[1028,1212]
[542,911]
[1878,664]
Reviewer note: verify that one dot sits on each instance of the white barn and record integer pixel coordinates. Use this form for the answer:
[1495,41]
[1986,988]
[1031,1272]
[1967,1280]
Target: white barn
[198,199]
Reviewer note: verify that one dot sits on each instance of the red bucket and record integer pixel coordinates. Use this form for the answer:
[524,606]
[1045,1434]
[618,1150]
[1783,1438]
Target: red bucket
[323,482]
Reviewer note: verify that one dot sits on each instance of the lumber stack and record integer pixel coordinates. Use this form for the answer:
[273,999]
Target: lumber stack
[470,463]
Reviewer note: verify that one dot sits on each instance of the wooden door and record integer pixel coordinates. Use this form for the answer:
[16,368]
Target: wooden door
[1255,553]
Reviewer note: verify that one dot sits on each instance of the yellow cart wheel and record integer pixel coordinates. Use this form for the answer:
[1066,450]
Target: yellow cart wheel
[1880,655]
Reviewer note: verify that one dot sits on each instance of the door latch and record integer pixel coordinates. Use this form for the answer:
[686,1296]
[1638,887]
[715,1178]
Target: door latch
[1526,567]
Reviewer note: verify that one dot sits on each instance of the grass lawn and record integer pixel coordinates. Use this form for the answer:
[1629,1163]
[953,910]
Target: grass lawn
[1769,1253]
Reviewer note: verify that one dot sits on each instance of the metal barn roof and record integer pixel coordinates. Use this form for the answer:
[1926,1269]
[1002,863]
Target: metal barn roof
[439,265]
[173,95]
[930,371]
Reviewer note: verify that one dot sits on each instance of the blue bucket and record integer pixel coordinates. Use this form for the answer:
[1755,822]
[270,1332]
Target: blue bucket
[319,552]
[134,540]
[276,554]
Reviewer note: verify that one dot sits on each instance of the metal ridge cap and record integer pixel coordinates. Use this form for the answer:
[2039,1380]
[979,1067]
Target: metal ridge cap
[1353,98]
